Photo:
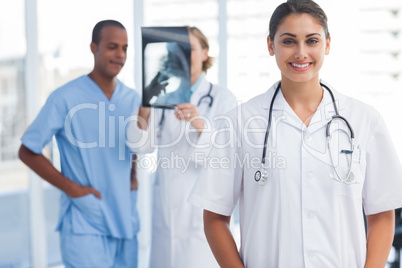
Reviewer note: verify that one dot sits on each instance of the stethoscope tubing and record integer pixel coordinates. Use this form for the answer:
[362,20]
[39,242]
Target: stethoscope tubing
[269,123]
[211,99]
[328,134]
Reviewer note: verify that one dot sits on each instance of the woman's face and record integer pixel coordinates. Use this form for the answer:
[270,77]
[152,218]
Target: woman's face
[198,56]
[299,47]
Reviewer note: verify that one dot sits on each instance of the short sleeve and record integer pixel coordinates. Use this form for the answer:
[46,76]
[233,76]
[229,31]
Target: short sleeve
[219,184]
[223,105]
[139,140]
[49,121]
[383,185]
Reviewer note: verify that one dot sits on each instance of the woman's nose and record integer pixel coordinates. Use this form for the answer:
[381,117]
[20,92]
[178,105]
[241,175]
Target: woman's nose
[301,52]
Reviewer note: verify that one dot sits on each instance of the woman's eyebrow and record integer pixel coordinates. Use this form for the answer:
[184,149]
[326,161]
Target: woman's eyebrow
[312,34]
[293,35]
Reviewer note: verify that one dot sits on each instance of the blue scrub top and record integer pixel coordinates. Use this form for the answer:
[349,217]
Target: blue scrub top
[90,131]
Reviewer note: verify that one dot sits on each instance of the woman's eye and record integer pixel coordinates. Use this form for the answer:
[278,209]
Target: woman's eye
[312,41]
[288,42]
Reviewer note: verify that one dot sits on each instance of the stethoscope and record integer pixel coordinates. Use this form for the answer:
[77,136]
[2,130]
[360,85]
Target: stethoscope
[208,96]
[261,176]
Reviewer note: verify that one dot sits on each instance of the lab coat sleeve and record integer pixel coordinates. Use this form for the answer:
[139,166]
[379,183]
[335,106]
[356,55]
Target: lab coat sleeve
[223,104]
[219,184]
[382,190]
[139,140]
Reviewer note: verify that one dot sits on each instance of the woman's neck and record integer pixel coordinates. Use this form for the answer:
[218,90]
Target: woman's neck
[195,77]
[303,97]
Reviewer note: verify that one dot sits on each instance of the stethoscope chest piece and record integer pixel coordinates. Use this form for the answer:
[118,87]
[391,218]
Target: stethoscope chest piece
[261,176]
[257,176]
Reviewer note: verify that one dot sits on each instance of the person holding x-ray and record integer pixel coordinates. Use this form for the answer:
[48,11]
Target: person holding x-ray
[183,137]
[311,159]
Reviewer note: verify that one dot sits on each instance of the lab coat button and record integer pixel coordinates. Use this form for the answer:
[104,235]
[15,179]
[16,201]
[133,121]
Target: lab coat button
[310,175]
[310,254]
[310,215]
[309,138]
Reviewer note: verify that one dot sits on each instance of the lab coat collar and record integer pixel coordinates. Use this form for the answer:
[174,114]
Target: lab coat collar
[324,112]
[327,100]
[200,91]
[268,96]
[326,109]
[197,83]
[279,103]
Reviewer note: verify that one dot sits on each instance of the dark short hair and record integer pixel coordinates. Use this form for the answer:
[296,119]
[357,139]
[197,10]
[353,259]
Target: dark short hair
[96,32]
[297,7]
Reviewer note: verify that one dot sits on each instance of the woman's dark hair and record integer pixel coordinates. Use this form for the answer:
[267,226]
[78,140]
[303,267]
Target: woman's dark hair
[297,7]
[96,32]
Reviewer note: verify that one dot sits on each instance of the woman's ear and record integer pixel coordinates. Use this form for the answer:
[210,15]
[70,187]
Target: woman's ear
[204,55]
[328,45]
[270,46]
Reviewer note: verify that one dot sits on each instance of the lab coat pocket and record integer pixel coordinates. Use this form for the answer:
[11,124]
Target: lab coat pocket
[352,186]
[91,208]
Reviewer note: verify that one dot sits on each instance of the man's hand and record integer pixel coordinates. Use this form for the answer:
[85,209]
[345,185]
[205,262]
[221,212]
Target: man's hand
[80,191]
[133,179]
[42,166]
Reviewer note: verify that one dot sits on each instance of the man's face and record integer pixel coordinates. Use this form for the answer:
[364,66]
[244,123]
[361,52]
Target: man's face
[111,52]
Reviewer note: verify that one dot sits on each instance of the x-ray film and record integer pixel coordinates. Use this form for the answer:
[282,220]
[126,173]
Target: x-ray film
[166,63]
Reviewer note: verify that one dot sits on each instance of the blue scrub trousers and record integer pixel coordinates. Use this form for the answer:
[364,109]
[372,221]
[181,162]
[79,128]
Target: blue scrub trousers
[90,251]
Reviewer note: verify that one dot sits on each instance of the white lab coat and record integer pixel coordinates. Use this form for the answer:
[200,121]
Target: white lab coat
[302,216]
[178,239]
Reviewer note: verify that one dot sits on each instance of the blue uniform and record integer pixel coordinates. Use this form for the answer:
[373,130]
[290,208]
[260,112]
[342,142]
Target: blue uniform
[90,131]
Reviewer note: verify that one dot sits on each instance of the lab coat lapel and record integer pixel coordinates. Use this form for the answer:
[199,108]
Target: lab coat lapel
[325,110]
[278,107]
[283,112]
[323,114]
[201,91]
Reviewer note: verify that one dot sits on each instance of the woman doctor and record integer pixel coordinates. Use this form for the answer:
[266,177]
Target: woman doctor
[302,206]
[182,137]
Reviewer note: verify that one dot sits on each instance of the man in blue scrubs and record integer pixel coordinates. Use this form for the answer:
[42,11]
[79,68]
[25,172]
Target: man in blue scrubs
[88,116]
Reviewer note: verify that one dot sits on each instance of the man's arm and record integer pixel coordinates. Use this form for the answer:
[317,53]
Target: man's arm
[134,181]
[143,117]
[42,166]
[221,241]
[380,234]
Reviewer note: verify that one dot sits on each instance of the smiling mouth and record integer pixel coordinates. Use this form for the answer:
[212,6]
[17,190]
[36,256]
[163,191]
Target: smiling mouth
[304,65]
[117,63]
